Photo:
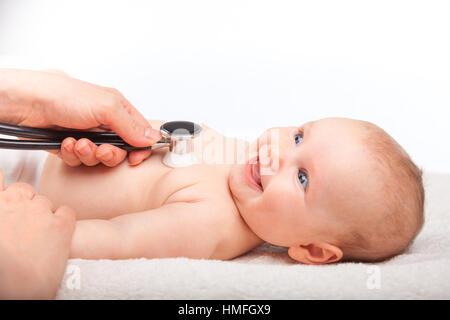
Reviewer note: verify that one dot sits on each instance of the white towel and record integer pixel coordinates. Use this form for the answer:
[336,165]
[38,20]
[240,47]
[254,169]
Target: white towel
[423,272]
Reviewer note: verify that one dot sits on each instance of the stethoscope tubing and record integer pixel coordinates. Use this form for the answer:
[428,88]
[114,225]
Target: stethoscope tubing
[53,138]
[56,145]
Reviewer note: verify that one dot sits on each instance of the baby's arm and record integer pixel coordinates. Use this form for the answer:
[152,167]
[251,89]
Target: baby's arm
[179,229]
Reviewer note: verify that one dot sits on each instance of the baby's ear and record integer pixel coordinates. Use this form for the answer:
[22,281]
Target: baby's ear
[316,253]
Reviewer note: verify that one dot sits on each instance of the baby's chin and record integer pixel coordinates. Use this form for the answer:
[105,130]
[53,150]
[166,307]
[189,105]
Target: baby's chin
[236,183]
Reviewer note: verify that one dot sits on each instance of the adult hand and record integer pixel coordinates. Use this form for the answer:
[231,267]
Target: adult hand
[54,100]
[34,243]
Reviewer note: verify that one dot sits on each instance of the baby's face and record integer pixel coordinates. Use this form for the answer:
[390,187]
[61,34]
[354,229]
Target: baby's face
[305,182]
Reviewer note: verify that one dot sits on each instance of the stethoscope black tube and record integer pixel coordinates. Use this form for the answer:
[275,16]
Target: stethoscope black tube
[54,138]
[37,133]
[56,145]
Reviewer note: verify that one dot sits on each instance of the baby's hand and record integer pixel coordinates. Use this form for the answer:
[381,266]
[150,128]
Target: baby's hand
[83,151]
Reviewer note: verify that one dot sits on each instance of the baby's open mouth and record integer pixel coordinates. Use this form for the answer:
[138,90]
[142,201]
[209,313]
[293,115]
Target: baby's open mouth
[253,174]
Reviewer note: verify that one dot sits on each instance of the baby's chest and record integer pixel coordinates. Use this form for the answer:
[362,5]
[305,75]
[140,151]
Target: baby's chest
[190,184]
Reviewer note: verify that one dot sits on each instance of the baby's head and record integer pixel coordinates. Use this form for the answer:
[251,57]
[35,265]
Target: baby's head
[333,189]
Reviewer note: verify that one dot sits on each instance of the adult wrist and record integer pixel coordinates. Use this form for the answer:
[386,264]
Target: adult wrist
[18,94]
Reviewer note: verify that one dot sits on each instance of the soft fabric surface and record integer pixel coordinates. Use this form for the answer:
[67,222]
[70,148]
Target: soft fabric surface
[423,272]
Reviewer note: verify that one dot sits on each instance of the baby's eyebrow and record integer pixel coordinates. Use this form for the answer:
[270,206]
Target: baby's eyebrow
[307,126]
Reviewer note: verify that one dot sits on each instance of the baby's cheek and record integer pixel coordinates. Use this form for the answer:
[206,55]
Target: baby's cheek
[279,193]
[277,210]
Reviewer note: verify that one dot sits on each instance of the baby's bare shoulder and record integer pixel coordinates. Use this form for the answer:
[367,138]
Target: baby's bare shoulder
[216,211]
[206,186]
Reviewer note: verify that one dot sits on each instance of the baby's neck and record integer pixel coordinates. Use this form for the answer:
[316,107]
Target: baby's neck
[238,208]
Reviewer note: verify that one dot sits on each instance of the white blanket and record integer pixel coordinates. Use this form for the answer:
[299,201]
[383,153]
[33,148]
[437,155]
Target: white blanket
[423,272]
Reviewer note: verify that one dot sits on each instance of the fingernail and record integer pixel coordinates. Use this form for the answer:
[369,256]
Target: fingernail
[84,149]
[69,146]
[152,134]
[108,155]
[135,163]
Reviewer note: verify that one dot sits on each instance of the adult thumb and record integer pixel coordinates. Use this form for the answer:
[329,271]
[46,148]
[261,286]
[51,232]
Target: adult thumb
[130,129]
[67,218]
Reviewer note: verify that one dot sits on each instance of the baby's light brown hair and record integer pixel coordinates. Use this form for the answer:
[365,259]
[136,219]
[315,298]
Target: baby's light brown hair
[391,231]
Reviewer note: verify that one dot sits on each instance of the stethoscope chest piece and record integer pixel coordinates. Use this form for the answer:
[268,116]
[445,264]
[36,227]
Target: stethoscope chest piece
[180,135]
[177,135]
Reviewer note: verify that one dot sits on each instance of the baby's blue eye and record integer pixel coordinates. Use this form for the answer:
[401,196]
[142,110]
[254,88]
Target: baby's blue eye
[298,138]
[303,177]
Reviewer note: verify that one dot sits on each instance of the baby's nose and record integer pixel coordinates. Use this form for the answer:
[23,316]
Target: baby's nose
[268,160]
[274,150]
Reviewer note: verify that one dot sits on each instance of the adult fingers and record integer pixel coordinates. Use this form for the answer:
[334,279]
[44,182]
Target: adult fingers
[85,150]
[67,152]
[63,222]
[56,71]
[67,216]
[134,157]
[132,111]
[20,191]
[123,120]
[44,201]
[110,155]
[137,156]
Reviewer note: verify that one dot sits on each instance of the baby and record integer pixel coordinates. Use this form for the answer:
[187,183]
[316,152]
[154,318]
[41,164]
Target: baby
[331,190]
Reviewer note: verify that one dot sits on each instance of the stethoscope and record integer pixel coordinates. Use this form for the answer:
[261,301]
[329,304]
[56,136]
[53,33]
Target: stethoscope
[177,135]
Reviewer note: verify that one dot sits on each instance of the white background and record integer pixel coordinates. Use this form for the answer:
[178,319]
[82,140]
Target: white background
[244,66]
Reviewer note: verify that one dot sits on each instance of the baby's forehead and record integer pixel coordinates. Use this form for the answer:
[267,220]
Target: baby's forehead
[334,135]
[336,124]
[338,158]
[344,170]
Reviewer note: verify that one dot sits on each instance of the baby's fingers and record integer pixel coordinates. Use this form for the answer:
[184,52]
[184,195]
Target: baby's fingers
[110,155]
[137,156]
